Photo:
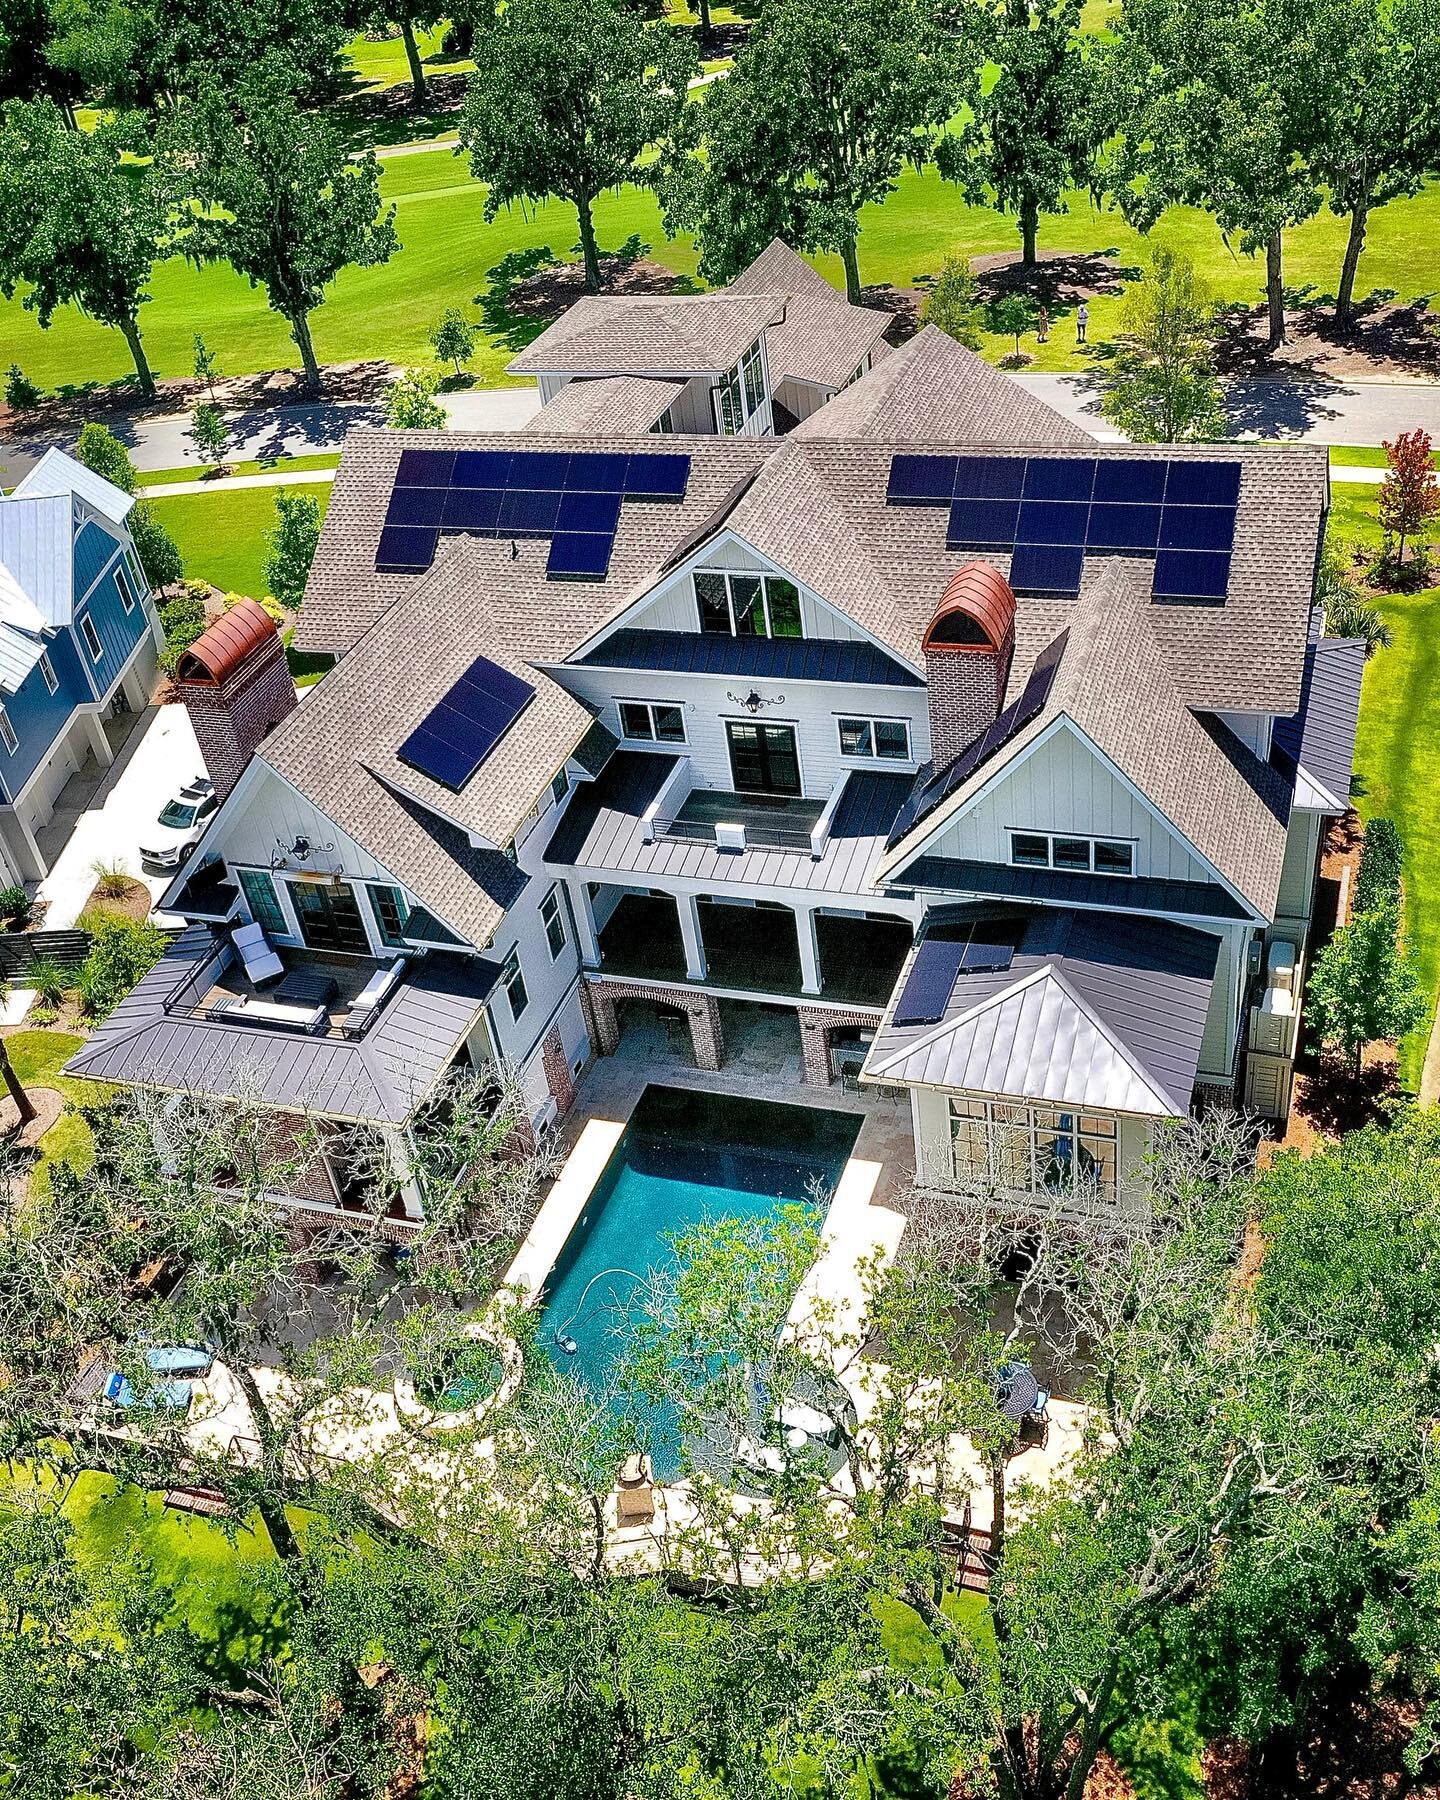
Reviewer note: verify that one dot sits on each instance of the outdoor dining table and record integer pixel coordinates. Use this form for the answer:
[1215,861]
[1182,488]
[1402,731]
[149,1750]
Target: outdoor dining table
[1016,1390]
[308,987]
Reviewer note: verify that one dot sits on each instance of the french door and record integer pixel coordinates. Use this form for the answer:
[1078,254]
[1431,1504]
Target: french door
[763,758]
[329,916]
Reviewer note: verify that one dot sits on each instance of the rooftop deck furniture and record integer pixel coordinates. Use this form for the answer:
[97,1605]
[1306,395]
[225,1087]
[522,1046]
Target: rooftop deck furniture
[1017,1392]
[247,1009]
[261,962]
[308,987]
[373,995]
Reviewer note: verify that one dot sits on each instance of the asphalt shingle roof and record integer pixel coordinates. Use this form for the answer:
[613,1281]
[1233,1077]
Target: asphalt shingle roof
[618,405]
[646,334]
[822,339]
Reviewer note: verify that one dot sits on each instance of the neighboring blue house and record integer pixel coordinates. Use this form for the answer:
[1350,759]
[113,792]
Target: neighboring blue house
[79,638]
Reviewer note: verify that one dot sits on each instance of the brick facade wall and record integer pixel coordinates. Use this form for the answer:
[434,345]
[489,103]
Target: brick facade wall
[815,1029]
[966,688]
[558,1078]
[232,717]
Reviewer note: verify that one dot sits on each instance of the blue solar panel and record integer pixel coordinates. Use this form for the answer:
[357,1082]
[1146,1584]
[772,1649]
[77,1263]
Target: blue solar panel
[1052,522]
[580,555]
[989,477]
[452,741]
[1119,527]
[588,512]
[539,468]
[405,548]
[930,983]
[657,477]
[920,480]
[1197,528]
[1203,483]
[424,468]
[600,472]
[1059,477]
[980,956]
[472,509]
[1047,568]
[1201,575]
[416,506]
[527,513]
[481,469]
[1140,479]
[987,524]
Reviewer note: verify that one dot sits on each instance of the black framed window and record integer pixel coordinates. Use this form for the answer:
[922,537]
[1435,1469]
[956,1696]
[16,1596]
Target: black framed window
[264,902]
[392,915]
[885,739]
[737,605]
[712,594]
[329,917]
[1029,850]
[512,978]
[552,914]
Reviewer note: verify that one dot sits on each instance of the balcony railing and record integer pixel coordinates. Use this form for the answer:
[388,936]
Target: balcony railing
[737,834]
[219,991]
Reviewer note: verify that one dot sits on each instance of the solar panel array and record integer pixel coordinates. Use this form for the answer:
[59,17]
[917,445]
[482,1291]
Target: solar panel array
[1051,512]
[573,498]
[930,790]
[454,738]
[938,965]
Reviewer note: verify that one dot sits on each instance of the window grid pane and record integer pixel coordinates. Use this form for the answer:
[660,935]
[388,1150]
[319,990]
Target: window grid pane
[892,739]
[855,737]
[391,915]
[635,720]
[263,900]
[669,722]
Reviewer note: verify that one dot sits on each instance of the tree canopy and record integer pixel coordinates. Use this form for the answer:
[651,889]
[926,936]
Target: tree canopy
[567,100]
[1160,385]
[278,196]
[827,101]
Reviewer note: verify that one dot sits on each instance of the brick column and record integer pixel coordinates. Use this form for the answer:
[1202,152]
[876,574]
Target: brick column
[815,1029]
[605,1027]
[706,1037]
[557,1072]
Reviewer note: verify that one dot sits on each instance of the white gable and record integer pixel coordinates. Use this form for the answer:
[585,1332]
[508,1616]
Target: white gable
[57,473]
[1061,783]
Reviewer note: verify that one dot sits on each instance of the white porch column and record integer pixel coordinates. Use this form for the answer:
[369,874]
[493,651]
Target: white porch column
[809,950]
[584,915]
[99,743]
[688,907]
[397,1153]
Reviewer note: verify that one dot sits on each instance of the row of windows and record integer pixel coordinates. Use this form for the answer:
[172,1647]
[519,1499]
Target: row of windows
[652,721]
[512,975]
[742,393]
[1077,855]
[887,739]
[388,907]
[1032,1149]
[747,605]
[660,722]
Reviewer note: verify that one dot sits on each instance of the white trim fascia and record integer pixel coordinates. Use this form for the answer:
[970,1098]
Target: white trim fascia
[1313,796]
[723,535]
[1048,972]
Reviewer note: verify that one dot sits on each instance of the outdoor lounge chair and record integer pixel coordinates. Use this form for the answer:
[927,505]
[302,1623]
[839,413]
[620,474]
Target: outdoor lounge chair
[261,962]
[376,991]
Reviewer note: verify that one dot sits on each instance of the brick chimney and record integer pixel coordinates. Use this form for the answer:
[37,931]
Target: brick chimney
[236,686]
[967,648]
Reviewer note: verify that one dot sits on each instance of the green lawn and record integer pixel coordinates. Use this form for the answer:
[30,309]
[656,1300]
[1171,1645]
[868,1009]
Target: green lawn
[448,251]
[321,459]
[1365,456]
[222,535]
[37,1058]
[1397,753]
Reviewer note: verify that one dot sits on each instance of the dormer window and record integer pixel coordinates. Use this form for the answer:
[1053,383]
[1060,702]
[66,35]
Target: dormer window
[747,605]
[741,394]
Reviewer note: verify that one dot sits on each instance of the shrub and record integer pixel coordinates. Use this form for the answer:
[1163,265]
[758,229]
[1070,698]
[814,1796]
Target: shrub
[158,552]
[952,303]
[453,339]
[291,546]
[21,392]
[182,620]
[1378,880]
[113,880]
[15,906]
[410,403]
[121,951]
[49,980]
[41,1015]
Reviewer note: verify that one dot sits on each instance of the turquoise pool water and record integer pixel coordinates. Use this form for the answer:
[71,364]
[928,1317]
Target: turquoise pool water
[683,1157]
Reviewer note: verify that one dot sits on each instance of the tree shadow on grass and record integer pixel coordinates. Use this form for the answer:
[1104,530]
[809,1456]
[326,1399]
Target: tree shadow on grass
[529,289]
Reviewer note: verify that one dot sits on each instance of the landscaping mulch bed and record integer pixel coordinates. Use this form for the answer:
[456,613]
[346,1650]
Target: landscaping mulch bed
[1389,341]
[48,1104]
[134,903]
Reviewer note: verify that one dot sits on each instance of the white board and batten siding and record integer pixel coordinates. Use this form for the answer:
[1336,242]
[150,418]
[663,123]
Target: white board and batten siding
[271,816]
[1063,786]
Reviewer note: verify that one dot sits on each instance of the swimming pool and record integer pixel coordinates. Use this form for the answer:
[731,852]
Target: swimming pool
[683,1157]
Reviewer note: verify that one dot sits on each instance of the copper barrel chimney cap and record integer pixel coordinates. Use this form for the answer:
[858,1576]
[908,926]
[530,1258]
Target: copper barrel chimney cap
[976,612]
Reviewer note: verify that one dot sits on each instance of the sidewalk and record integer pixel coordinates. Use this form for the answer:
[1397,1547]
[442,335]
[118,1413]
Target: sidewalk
[165,490]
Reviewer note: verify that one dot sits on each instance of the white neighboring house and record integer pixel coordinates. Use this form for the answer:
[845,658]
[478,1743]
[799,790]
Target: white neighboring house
[79,641]
[989,761]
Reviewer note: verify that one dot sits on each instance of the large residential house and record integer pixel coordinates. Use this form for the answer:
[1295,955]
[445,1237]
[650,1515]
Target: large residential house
[749,360]
[987,762]
[79,639]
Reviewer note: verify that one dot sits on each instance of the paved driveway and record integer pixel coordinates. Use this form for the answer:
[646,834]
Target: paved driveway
[106,812]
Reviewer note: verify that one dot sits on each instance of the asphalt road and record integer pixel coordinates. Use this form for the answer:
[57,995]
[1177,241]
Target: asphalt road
[1302,410]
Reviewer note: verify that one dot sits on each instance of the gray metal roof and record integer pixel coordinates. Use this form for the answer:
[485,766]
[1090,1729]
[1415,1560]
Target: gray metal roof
[601,830]
[1142,893]
[1318,742]
[1093,1011]
[381,1077]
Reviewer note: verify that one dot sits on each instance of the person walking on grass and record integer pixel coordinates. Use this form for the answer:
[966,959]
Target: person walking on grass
[1082,322]
[1042,325]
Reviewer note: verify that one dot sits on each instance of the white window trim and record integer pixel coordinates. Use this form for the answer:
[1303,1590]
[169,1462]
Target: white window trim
[554,899]
[7,733]
[764,577]
[649,706]
[1084,837]
[873,756]
[48,675]
[510,969]
[122,588]
[91,636]
[734,378]
[1033,1134]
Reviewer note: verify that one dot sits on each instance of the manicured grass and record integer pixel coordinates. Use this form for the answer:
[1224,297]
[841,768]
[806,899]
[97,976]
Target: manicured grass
[37,1058]
[1365,456]
[222,535]
[448,250]
[381,62]
[322,459]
